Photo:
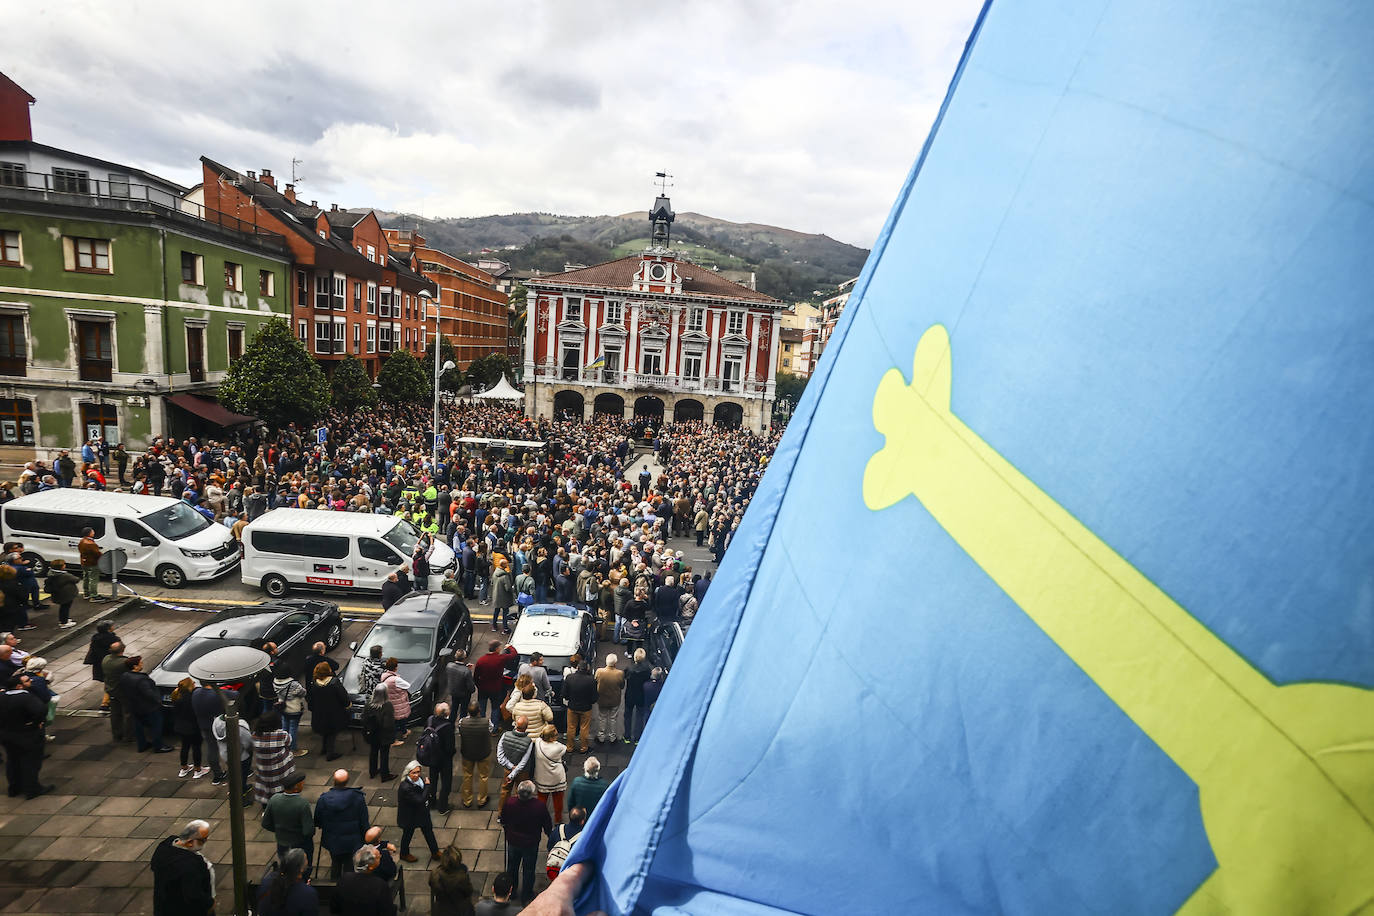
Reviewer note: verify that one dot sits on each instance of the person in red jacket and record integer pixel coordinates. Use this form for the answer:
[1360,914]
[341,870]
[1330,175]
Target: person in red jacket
[489,674]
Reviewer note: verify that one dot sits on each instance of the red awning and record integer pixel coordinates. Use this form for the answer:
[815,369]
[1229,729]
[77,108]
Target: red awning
[209,410]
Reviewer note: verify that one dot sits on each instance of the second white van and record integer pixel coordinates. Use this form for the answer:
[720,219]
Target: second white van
[317,549]
[163,537]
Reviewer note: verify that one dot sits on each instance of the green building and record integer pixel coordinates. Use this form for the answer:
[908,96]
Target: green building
[122,302]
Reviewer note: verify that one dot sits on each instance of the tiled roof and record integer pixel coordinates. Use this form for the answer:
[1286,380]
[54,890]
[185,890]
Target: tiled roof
[620,274]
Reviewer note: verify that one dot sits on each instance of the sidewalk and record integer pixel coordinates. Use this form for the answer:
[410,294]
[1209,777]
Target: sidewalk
[84,848]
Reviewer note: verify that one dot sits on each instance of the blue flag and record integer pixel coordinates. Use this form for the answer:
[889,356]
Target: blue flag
[1091,450]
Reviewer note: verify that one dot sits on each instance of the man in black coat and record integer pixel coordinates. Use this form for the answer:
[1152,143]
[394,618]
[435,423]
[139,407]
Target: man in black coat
[181,879]
[458,685]
[141,698]
[21,733]
[360,891]
[341,816]
[441,771]
[394,589]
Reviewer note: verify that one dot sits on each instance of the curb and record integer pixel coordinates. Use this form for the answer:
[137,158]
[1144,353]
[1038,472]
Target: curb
[86,627]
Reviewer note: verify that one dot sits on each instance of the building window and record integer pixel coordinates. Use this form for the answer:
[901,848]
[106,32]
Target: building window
[357,338]
[95,350]
[235,344]
[386,303]
[735,323]
[340,294]
[71,181]
[233,277]
[371,337]
[13,346]
[195,353]
[267,283]
[340,340]
[16,421]
[119,185]
[324,340]
[384,338]
[100,420]
[652,363]
[572,363]
[302,291]
[613,313]
[192,269]
[372,298]
[372,253]
[322,285]
[13,175]
[357,298]
[91,255]
[574,310]
[691,367]
[10,254]
[696,319]
[302,330]
[787,362]
[730,373]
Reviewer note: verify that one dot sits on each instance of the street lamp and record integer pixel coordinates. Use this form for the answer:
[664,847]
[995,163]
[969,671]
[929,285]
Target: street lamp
[232,665]
[448,364]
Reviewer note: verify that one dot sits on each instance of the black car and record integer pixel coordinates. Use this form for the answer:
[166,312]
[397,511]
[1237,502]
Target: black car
[294,624]
[665,640]
[421,631]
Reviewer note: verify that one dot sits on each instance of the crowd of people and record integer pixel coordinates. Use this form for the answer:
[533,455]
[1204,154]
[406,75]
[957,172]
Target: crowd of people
[582,520]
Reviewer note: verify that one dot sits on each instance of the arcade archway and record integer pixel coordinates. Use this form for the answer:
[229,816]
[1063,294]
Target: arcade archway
[688,409]
[568,405]
[728,414]
[609,404]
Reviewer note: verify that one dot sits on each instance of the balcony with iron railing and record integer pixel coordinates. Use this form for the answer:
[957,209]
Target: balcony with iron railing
[643,381]
[130,196]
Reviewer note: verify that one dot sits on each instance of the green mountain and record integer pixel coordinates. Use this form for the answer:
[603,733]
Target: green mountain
[790,265]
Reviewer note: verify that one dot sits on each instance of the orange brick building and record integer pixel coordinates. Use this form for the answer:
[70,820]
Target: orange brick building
[473,314]
[350,293]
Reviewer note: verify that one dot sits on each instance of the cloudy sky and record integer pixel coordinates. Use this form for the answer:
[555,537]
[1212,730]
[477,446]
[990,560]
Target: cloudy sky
[803,114]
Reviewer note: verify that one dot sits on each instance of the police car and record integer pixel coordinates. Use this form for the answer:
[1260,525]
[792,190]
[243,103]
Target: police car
[557,631]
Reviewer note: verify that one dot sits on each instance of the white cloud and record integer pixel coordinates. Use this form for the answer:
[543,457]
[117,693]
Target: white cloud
[805,115]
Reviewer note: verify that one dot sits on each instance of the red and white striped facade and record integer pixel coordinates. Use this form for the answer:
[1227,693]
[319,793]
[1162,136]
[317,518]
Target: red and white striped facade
[650,333]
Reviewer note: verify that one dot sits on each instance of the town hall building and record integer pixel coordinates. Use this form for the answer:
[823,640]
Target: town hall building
[652,335]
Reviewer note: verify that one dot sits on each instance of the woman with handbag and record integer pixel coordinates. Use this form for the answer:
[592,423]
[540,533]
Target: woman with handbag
[550,776]
[379,728]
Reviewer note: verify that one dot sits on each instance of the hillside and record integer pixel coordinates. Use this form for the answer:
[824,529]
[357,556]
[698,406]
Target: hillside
[788,264]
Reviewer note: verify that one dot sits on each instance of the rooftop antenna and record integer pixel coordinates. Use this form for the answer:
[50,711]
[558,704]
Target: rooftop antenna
[296,179]
[663,183]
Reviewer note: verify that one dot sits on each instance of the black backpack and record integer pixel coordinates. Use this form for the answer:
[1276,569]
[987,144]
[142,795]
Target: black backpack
[427,747]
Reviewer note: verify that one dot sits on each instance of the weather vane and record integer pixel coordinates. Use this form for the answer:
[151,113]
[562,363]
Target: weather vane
[663,184]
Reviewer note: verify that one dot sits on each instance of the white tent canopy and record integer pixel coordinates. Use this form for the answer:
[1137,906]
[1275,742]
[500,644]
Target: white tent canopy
[501,391]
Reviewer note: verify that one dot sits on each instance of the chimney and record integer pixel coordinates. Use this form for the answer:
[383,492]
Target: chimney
[314,205]
[252,176]
[290,192]
[268,180]
[333,208]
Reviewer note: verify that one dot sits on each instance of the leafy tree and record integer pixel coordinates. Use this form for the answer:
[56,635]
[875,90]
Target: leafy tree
[351,388]
[403,379]
[451,380]
[486,371]
[789,385]
[276,380]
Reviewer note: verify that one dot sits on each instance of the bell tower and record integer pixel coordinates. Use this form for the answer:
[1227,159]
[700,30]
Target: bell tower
[661,216]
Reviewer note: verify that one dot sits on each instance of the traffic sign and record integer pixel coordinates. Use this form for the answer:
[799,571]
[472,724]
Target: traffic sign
[322,435]
[438,440]
[113,560]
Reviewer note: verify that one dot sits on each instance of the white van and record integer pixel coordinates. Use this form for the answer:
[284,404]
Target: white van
[164,538]
[332,550]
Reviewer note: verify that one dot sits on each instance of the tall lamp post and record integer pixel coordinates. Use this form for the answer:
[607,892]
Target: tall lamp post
[232,665]
[448,364]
